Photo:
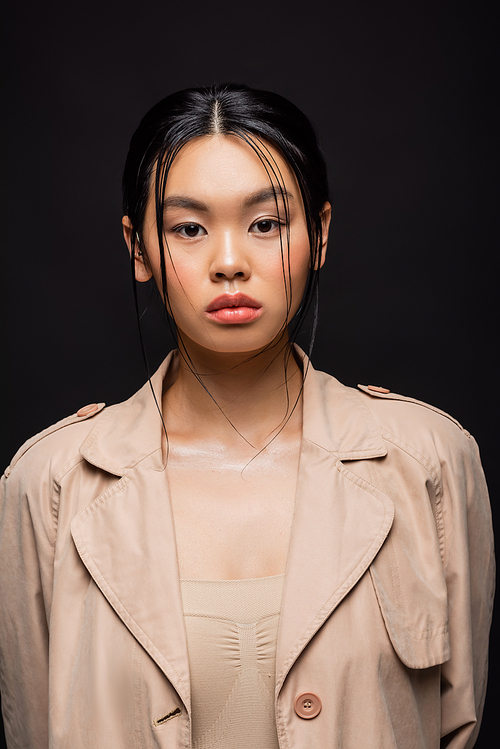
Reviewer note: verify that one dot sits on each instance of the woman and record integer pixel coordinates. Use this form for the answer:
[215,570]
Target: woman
[246,553]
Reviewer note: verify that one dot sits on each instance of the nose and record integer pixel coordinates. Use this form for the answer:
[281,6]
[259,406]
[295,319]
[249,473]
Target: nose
[230,261]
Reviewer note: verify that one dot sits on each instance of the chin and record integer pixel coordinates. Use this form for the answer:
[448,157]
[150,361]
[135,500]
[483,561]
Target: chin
[236,347]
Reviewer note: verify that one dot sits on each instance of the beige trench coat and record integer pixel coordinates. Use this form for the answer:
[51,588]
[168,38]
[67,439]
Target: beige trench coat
[387,599]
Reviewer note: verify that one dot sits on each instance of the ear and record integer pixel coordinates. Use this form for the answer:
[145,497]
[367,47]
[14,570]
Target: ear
[142,269]
[326,215]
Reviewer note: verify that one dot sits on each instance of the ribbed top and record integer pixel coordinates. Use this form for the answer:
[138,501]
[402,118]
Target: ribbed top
[232,628]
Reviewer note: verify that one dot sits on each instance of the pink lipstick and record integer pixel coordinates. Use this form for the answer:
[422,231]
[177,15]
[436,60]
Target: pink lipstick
[233,309]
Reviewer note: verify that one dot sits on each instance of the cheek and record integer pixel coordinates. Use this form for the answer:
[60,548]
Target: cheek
[180,273]
[300,260]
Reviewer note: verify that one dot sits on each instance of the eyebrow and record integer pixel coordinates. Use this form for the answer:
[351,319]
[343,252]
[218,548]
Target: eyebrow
[262,196]
[268,193]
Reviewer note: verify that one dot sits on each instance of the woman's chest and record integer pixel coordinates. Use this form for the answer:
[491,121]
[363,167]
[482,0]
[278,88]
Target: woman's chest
[232,521]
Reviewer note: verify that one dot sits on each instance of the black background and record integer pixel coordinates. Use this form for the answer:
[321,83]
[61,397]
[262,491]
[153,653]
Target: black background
[402,97]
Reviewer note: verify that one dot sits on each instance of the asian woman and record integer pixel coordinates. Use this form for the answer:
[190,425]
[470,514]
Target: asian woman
[246,553]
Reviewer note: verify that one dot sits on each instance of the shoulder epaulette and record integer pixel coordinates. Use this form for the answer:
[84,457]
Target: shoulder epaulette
[82,414]
[380,392]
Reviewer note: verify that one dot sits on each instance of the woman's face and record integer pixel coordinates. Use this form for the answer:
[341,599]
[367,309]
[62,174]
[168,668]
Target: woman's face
[230,279]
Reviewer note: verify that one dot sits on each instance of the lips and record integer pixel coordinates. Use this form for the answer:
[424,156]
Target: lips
[233,309]
[232,300]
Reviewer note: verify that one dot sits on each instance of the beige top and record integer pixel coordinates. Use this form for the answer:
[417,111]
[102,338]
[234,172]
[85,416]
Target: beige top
[232,628]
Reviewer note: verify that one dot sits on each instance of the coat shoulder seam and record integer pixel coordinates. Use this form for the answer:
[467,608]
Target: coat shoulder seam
[407,399]
[40,436]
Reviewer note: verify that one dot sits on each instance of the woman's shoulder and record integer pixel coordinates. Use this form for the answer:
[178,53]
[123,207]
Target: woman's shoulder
[426,433]
[113,437]
[393,406]
[403,414]
[57,444]
[28,487]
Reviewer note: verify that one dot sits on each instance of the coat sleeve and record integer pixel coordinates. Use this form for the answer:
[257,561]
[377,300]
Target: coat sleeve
[469,568]
[26,564]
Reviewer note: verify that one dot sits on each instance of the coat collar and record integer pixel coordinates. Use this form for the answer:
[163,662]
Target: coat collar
[334,417]
[126,539]
[129,432]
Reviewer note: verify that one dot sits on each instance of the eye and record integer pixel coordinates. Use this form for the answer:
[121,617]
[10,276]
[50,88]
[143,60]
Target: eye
[190,231]
[265,226]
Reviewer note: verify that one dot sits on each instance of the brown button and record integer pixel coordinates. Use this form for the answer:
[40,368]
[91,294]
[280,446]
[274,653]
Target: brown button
[307,705]
[378,389]
[87,410]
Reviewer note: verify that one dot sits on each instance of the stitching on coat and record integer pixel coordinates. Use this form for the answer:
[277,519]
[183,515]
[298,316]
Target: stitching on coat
[409,399]
[361,482]
[121,608]
[101,500]
[91,438]
[370,473]
[66,422]
[398,575]
[392,574]
[111,490]
[124,611]
[281,730]
[56,489]
[398,593]
[418,635]
[98,427]
[392,552]
[352,579]
[416,455]
[136,685]
[438,491]
[67,467]
[121,471]
[425,634]
[436,501]
[54,507]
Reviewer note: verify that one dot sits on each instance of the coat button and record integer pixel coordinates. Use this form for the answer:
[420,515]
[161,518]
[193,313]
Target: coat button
[87,410]
[377,389]
[307,705]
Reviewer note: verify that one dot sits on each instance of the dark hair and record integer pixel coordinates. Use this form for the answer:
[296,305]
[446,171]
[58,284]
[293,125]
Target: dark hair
[259,118]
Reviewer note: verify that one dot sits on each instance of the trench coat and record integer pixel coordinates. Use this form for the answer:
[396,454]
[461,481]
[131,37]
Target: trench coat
[387,597]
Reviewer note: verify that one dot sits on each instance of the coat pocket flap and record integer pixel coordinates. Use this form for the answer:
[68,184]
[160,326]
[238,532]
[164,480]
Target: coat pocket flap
[413,603]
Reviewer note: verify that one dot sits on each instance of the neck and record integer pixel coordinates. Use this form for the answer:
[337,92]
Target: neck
[231,397]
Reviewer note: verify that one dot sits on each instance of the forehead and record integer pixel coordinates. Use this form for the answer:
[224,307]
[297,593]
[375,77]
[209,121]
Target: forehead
[225,165]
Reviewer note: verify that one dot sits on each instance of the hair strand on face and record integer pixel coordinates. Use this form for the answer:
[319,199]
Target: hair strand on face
[262,119]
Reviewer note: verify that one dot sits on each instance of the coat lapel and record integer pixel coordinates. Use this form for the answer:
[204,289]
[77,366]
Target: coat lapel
[126,537]
[340,520]
[126,540]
